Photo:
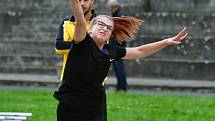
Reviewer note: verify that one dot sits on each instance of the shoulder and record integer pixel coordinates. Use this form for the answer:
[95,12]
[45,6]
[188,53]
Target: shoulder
[87,40]
[115,52]
[68,19]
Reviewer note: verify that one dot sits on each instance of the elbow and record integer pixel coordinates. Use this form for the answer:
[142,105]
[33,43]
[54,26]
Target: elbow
[57,45]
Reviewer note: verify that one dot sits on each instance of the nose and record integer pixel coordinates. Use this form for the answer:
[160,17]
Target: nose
[105,28]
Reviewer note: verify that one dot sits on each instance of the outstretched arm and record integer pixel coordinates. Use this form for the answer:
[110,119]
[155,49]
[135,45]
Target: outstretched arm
[149,49]
[80,27]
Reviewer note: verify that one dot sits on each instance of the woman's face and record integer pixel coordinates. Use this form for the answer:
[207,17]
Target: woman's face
[102,29]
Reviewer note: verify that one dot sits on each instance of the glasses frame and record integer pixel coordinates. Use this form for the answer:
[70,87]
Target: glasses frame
[102,25]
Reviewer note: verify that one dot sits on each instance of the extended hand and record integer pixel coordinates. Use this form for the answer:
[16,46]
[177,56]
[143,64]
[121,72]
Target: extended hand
[178,38]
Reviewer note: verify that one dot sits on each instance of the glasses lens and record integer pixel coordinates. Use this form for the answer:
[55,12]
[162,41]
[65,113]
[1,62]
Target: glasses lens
[110,28]
[102,25]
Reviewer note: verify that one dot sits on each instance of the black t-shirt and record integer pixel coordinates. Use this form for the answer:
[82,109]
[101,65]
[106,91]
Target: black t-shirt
[85,70]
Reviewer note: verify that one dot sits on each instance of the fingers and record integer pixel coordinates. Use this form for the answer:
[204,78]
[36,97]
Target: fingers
[183,37]
[179,37]
[176,42]
[182,34]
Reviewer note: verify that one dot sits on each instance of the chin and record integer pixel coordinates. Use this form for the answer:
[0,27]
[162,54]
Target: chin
[102,39]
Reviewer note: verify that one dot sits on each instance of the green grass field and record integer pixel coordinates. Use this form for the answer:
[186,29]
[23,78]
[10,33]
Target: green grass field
[121,106]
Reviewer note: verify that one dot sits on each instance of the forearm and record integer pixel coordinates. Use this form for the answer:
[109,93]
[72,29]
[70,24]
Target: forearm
[77,11]
[80,27]
[152,48]
[149,49]
[145,50]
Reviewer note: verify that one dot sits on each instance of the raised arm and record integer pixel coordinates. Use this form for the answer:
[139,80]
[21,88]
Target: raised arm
[80,27]
[149,49]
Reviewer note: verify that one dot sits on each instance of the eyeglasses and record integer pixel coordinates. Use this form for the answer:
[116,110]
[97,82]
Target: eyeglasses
[102,25]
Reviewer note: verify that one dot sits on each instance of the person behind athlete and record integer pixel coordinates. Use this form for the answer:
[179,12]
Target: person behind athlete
[82,94]
[118,66]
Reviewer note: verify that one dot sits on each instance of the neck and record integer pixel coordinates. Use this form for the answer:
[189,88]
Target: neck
[100,44]
[88,15]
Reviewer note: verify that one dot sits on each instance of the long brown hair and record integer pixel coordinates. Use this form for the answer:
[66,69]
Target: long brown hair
[125,28]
